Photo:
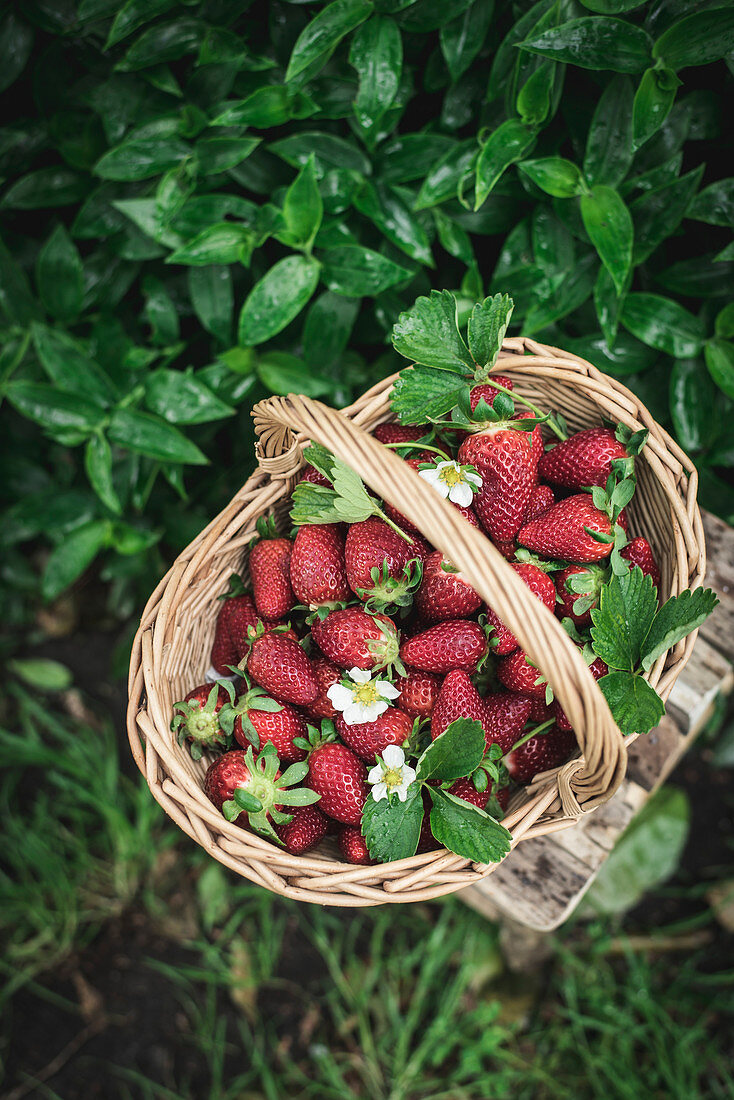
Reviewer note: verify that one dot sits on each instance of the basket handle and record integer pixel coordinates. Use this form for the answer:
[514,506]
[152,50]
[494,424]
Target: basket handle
[581,783]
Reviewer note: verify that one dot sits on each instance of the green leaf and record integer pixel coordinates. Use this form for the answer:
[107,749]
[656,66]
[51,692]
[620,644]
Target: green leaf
[42,673]
[609,225]
[693,404]
[162,43]
[72,556]
[575,289]
[283,373]
[16,300]
[212,296]
[446,175]
[53,408]
[376,53]
[627,607]
[677,618]
[67,365]
[719,355]
[141,158]
[467,830]
[399,224]
[428,333]
[356,272]
[555,176]
[533,101]
[392,828]
[715,204]
[313,504]
[421,394]
[456,753]
[595,42]
[219,154]
[453,237]
[653,100]
[635,706]
[663,324]
[505,146]
[609,149]
[47,187]
[658,213]
[269,106]
[277,299]
[223,243]
[462,38]
[16,42]
[487,327]
[328,151]
[98,465]
[699,39]
[409,157]
[724,324]
[59,276]
[149,435]
[303,208]
[327,329]
[133,15]
[612,7]
[317,40]
[701,277]
[607,304]
[180,398]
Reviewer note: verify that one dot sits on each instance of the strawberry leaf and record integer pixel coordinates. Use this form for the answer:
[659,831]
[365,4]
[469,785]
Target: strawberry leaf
[635,706]
[627,607]
[422,394]
[313,504]
[321,459]
[352,501]
[675,619]
[456,753]
[487,327]
[428,333]
[392,828]
[467,830]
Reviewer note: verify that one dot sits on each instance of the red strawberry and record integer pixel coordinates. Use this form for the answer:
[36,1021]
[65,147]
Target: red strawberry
[270,561]
[502,715]
[317,570]
[196,719]
[353,846]
[327,674]
[312,475]
[418,693]
[400,433]
[224,776]
[340,778]
[487,392]
[377,560]
[561,531]
[504,459]
[539,711]
[597,668]
[306,829]
[541,499]
[443,593]
[517,674]
[261,784]
[355,639]
[367,739]
[583,460]
[540,753]
[464,788]
[541,586]
[277,663]
[445,646]
[593,577]
[536,439]
[257,714]
[235,615]
[507,549]
[623,520]
[639,552]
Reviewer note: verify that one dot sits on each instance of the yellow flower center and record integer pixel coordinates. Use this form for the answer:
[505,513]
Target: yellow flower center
[451,475]
[392,778]
[366,694]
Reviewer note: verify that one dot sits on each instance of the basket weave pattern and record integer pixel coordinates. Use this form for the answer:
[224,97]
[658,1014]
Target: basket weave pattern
[173,644]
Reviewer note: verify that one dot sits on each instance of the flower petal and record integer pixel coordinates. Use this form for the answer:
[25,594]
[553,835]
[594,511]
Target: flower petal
[360,675]
[394,756]
[379,791]
[374,775]
[433,477]
[461,494]
[409,774]
[341,697]
[386,689]
[401,792]
[475,479]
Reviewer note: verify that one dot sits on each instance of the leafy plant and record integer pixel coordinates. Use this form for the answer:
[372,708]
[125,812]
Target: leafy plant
[205,203]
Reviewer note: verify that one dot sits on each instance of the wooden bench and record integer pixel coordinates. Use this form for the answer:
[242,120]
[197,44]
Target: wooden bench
[542,881]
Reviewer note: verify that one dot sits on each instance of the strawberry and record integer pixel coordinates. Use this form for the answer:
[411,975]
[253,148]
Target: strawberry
[457,644]
[399,433]
[410,529]
[464,788]
[502,715]
[367,739]
[540,753]
[540,711]
[278,664]
[418,693]
[517,674]
[583,460]
[507,549]
[196,719]
[380,563]
[504,459]
[353,846]
[597,668]
[317,570]
[584,593]
[327,674]
[236,613]
[307,827]
[353,638]
[443,593]
[639,552]
[258,719]
[485,391]
[541,499]
[561,531]
[314,476]
[224,776]
[270,560]
[339,776]
[536,439]
[504,641]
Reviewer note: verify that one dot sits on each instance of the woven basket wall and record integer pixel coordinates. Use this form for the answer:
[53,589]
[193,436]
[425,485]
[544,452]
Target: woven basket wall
[172,646]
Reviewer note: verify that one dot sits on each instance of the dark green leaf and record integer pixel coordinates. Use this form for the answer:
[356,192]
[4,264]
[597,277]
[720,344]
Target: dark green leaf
[53,408]
[69,367]
[675,620]
[133,15]
[701,277]
[663,324]
[277,299]
[534,98]
[607,304]
[149,435]
[715,204]
[16,300]
[575,289]
[467,830]
[283,373]
[463,37]
[72,556]
[181,398]
[724,324]
[505,58]
[163,43]
[16,41]
[635,706]
[693,401]
[356,271]
[47,187]
[698,39]
[302,208]
[446,175]
[612,7]
[627,607]
[429,15]
[160,312]
[456,753]
[399,224]
[317,40]
[392,828]
[328,151]
[409,157]
[505,146]
[609,144]
[453,238]
[376,53]
[595,42]
[422,394]
[222,243]
[609,225]
[658,214]
[327,329]
[653,100]
[269,106]
[221,153]
[59,276]
[98,465]
[554,175]
[212,296]
[139,159]
[487,327]
[428,333]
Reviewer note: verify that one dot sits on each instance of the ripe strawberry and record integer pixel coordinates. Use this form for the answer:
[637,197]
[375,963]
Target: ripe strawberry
[464,788]
[503,640]
[339,776]
[540,753]
[517,674]
[561,531]
[353,846]
[224,776]
[457,644]
[367,739]
[504,459]
[443,593]
[418,693]
[353,638]
[317,571]
[639,552]
[250,790]
[236,613]
[536,439]
[327,674]
[485,391]
[270,561]
[308,826]
[278,664]
[540,711]
[507,549]
[312,475]
[259,719]
[593,577]
[502,715]
[583,460]
[541,499]
[196,719]
[380,563]
[597,668]
[400,433]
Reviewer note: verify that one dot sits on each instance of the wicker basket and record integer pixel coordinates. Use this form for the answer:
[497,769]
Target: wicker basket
[172,647]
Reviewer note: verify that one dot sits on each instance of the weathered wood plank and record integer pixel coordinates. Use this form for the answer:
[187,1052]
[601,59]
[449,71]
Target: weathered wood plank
[719,628]
[707,675]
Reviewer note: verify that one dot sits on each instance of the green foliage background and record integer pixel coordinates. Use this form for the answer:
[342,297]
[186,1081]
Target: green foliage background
[206,202]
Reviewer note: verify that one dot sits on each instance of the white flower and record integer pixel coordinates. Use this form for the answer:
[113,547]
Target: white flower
[391,775]
[363,700]
[456,482]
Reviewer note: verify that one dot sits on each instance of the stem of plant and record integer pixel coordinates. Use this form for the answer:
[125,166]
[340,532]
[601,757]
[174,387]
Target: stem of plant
[551,422]
[389,522]
[536,732]
[418,447]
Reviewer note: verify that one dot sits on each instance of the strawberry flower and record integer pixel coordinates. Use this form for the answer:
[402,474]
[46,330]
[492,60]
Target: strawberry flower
[361,699]
[451,480]
[391,775]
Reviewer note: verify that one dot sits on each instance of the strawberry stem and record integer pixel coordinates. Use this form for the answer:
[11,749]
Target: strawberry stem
[542,728]
[391,523]
[419,447]
[551,421]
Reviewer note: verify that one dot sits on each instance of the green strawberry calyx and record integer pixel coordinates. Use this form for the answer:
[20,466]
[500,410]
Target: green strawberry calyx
[202,726]
[254,699]
[266,790]
[389,593]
